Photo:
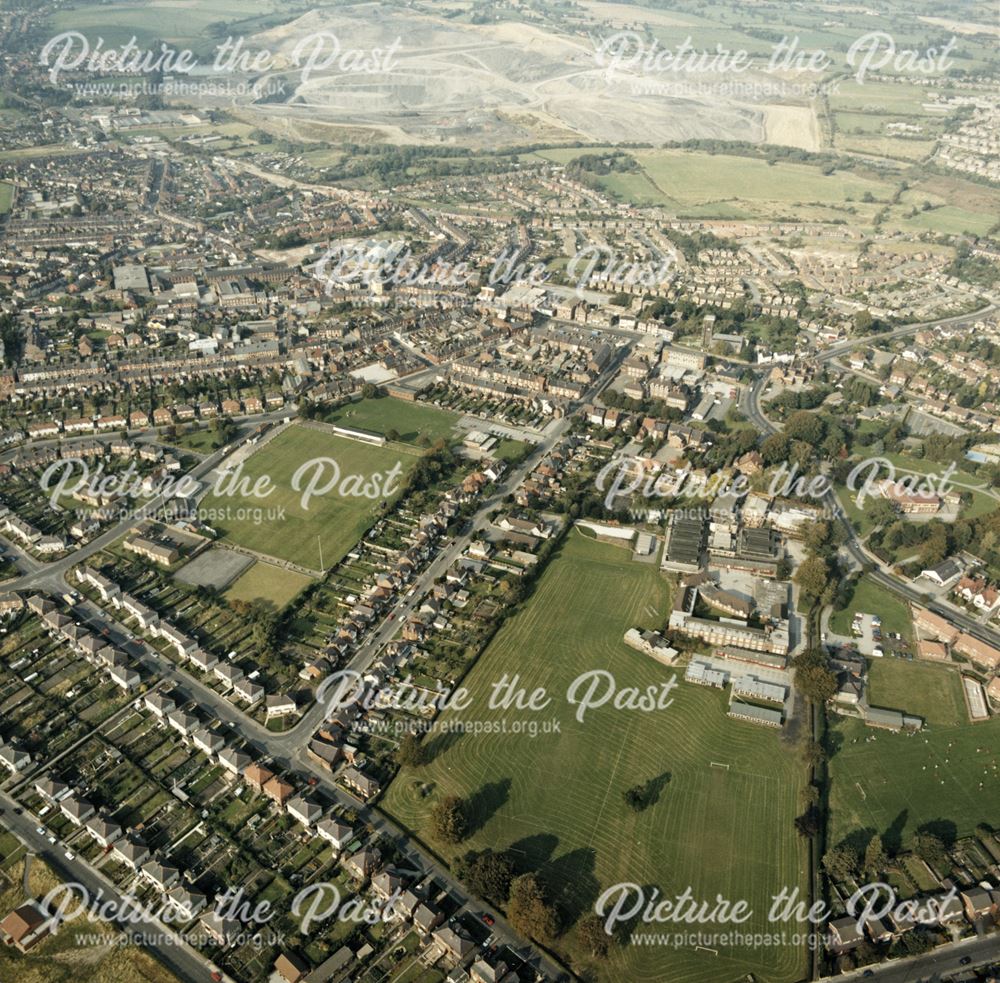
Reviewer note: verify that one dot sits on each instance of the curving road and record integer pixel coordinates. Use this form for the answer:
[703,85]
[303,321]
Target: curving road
[951,957]
[750,406]
[289,749]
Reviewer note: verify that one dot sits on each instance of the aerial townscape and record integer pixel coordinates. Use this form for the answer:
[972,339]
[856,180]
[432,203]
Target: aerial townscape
[499,491]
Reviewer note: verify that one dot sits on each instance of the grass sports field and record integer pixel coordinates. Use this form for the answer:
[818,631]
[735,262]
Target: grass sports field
[409,420]
[267,582]
[697,179]
[892,784]
[555,800]
[929,691]
[340,520]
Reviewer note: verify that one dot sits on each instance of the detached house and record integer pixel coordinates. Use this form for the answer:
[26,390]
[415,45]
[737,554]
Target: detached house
[336,834]
[304,810]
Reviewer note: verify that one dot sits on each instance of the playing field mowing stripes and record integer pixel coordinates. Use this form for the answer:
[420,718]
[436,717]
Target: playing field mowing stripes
[331,523]
[556,800]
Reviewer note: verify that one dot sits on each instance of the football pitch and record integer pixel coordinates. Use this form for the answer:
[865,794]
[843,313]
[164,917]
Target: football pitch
[893,784]
[723,822]
[409,420]
[331,523]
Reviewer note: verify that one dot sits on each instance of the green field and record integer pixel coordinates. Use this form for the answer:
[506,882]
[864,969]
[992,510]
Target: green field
[555,800]
[879,98]
[947,219]
[267,582]
[898,782]
[185,23]
[338,521]
[410,420]
[509,449]
[869,598]
[6,196]
[957,205]
[697,179]
[45,150]
[931,692]
[860,518]
[202,441]
[700,184]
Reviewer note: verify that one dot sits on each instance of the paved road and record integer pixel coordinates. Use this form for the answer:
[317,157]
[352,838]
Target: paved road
[841,348]
[948,958]
[932,965]
[750,407]
[184,961]
[289,750]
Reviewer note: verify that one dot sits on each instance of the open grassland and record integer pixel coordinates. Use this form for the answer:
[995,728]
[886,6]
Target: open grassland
[269,583]
[409,420]
[893,784]
[44,150]
[928,691]
[946,219]
[955,206]
[555,801]
[700,184]
[336,520]
[877,98]
[186,23]
[691,178]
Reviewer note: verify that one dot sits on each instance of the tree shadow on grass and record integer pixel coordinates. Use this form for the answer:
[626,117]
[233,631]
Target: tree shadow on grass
[944,829]
[892,838]
[532,852]
[653,789]
[437,746]
[858,839]
[484,803]
[571,884]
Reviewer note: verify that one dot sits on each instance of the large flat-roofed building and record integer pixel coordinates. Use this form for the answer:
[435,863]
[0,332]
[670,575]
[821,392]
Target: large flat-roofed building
[685,542]
[131,277]
[758,689]
[890,719]
[755,715]
[704,675]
